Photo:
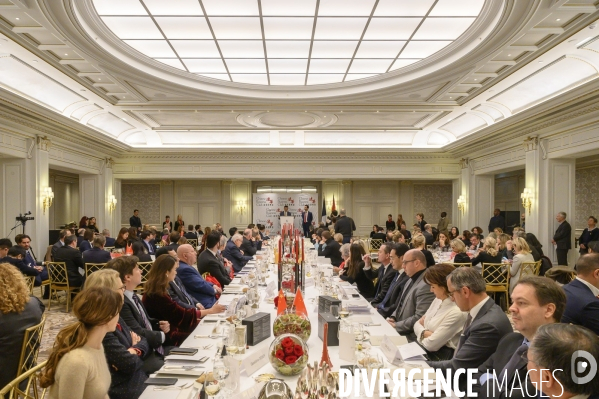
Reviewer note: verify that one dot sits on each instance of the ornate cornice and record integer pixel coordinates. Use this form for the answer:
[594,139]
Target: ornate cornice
[463,163]
[531,143]
[43,143]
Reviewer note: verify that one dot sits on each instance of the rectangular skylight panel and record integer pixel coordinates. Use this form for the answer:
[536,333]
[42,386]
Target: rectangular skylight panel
[287,49]
[359,8]
[241,48]
[356,76]
[152,48]
[288,28]
[174,7]
[133,27]
[184,27]
[174,62]
[287,66]
[329,65]
[334,49]
[391,28]
[422,49]
[246,66]
[402,62]
[442,28]
[119,7]
[404,8]
[236,27]
[324,78]
[339,28]
[231,7]
[288,79]
[370,66]
[205,65]
[251,78]
[195,48]
[288,7]
[462,8]
[379,49]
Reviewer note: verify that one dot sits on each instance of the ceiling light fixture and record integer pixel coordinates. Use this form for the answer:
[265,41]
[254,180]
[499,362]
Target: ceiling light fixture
[580,43]
[558,19]
[475,80]
[17,18]
[509,55]
[65,54]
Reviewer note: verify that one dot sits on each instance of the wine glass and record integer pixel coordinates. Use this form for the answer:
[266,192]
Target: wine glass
[220,370]
[232,345]
[212,385]
[232,365]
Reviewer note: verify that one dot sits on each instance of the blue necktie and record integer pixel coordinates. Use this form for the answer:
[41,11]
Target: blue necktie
[30,261]
[380,280]
[382,304]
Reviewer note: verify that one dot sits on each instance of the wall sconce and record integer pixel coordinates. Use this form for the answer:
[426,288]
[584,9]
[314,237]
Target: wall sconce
[241,206]
[462,204]
[112,203]
[526,197]
[47,197]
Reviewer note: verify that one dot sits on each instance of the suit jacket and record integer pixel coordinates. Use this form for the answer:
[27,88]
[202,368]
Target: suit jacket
[84,246]
[396,290]
[178,293]
[126,369]
[384,281]
[149,247]
[283,213]
[134,320]
[586,237]
[182,320]
[390,225]
[421,224]
[508,344]
[479,341]
[331,251]
[19,264]
[309,218]
[57,244]
[96,255]
[379,236]
[563,236]
[72,258]
[415,304]
[582,307]
[135,221]
[12,332]
[191,235]
[234,255]
[443,225]
[208,263]
[109,242]
[196,286]
[429,239]
[345,225]
[496,221]
[30,260]
[248,247]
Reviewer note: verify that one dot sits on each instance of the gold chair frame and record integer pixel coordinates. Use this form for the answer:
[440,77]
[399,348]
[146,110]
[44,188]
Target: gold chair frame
[59,281]
[462,264]
[31,347]
[375,244]
[32,390]
[93,267]
[193,242]
[145,270]
[497,279]
[30,280]
[530,269]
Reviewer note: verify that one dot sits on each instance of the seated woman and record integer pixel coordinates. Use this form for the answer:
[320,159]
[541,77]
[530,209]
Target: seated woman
[338,237]
[18,312]
[375,229]
[77,367]
[522,255]
[488,253]
[126,352]
[465,237]
[86,243]
[121,239]
[458,251]
[443,243]
[438,331]
[532,241]
[418,242]
[91,225]
[355,271]
[139,250]
[454,233]
[160,305]
[132,236]
[345,256]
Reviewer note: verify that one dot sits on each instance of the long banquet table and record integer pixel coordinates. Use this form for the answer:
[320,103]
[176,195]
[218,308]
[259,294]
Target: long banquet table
[248,388]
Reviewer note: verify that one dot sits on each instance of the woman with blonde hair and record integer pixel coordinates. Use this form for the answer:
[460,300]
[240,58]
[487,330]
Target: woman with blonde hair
[458,251]
[18,312]
[179,223]
[339,238]
[77,366]
[418,242]
[488,253]
[522,255]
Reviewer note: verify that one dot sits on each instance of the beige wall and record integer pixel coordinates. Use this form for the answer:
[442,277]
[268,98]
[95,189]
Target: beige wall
[65,206]
[587,195]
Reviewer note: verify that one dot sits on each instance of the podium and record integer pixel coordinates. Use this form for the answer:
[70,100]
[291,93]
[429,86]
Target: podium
[286,220]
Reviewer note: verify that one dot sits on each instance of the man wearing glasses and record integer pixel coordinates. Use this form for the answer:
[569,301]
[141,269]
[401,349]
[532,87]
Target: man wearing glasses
[389,302]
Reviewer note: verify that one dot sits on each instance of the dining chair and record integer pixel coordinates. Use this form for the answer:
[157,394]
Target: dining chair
[59,281]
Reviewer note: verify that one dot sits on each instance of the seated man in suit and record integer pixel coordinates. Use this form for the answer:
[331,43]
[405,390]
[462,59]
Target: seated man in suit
[234,254]
[195,285]
[70,255]
[428,234]
[536,301]
[16,257]
[485,326]
[329,248]
[385,273]
[387,306]
[208,261]
[416,297]
[582,307]
[285,211]
[109,239]
[135,315]
[475,243]
[97,253]
[380,234]
[148,241]
[191,234]
[248,245]
[60,243]
[24,241]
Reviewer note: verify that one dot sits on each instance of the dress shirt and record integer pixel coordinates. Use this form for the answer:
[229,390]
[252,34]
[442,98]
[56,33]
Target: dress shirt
[212,252]
[130,294]
[593,289]
[445,320]
[474,311]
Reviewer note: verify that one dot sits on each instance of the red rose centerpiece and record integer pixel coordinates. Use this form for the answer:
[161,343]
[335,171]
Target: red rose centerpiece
[288,354]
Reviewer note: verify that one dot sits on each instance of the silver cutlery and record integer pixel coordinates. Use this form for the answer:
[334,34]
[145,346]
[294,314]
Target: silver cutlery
[182,367]
[184,386]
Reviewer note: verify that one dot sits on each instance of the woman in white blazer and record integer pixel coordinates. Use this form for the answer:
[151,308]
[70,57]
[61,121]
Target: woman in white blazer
[438,331]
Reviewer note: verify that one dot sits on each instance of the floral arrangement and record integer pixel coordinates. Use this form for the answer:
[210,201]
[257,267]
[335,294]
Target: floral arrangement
[292,323]
[288,354]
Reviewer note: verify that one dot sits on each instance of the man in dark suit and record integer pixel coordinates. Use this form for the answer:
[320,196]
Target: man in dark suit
[582,306]
[109,239]
[389,302]
[496,221]
[562,239]
[234,254]
[135,221]
[16,257]
[379,235]
[60,243]
[420,221]
[248,245]
[97,254]
[329,248]
[536,301]
[285,211]
[475,243]
[209,263]
[416,297]
[428,234]
[147,239]
[345,226]
[385,273]
[24,241]
[199,288]
[70,255]
[306,221]
[485,326]
[191,233]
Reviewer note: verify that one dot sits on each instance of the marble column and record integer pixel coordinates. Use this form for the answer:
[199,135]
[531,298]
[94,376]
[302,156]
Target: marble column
[479,192]
[37,178]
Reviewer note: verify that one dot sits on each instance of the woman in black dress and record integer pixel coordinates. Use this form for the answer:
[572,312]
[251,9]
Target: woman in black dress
[355,271]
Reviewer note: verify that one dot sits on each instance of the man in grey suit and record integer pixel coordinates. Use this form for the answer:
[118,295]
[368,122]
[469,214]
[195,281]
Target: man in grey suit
[485,326]
[416,297]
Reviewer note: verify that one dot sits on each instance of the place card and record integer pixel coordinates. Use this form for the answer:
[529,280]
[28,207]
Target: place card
[254,362]
[270,289]
[347,341]
[411,350]
[390,351]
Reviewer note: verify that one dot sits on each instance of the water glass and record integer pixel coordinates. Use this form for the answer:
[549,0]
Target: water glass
[335,311]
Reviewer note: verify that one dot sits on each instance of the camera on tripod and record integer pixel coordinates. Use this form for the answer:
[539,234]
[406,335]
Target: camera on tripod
[24,218]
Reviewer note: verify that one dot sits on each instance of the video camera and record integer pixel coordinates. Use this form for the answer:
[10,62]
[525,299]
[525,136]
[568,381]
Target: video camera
[24,218]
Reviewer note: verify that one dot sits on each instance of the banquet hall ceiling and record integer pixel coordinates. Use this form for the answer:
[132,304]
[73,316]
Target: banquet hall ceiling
[361,74]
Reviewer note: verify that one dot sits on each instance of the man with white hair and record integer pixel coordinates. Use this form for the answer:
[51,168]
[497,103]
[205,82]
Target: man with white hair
[345,226]
[248,244]
[109,240]
[562,239]
[195,285]
[234,254]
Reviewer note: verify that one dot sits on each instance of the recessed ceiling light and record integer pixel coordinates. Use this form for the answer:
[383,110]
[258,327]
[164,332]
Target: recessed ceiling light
[475,80]
[341,111]
[377,111]
[99,78]
[558,19]
[509,55]
[450,97]
[34,61]
[17,18]
[65,54]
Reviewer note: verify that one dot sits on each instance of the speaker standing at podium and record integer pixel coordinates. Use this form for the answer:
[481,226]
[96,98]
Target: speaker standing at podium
[306,221]
[285,211]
